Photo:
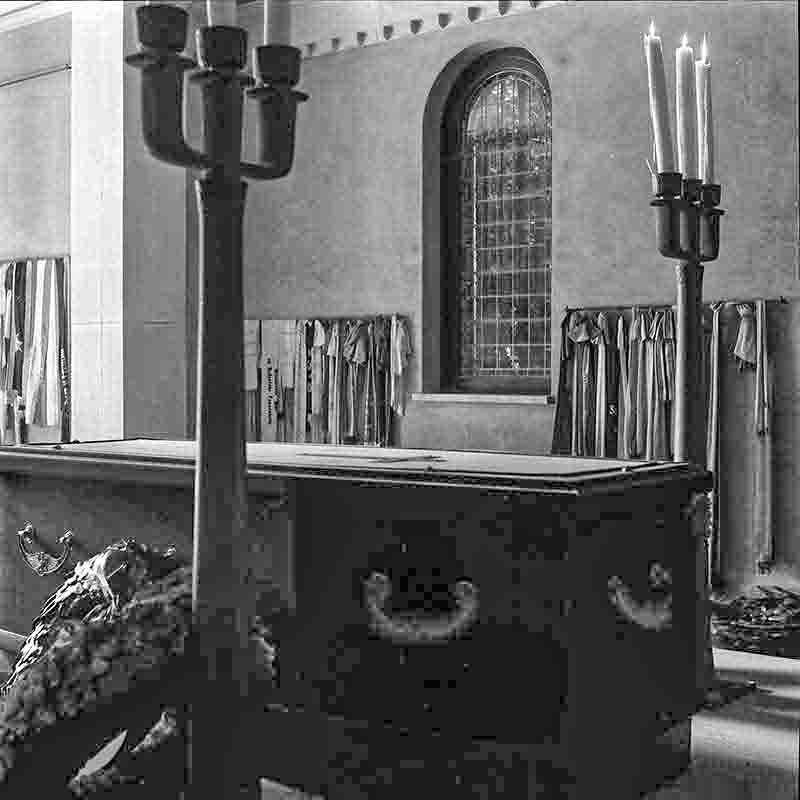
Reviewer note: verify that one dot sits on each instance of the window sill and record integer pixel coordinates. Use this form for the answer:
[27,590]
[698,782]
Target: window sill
[490,399]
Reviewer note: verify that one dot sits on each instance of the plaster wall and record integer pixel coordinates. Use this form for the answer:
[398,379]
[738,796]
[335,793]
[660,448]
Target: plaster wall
[35,136]
[154,274]
[344,233]
[96,223]
[35,149]
[128,299]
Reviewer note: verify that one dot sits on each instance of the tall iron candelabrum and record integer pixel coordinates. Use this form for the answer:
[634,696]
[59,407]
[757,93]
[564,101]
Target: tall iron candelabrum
[223,605]
[688,229]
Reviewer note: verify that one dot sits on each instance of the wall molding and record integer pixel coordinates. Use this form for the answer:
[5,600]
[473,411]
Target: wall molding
[332,41]
[434,18]
[30,13]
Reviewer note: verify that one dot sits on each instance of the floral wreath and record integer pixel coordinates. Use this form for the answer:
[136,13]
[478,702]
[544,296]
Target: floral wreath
[84,675]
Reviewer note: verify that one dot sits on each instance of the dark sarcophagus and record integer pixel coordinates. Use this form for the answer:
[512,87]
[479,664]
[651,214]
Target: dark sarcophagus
[455,624]
[514,633]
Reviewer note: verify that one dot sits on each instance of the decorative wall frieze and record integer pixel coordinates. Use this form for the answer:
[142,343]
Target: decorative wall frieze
[322,27]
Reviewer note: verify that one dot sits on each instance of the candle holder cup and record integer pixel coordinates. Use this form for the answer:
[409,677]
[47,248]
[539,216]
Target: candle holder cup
[691,188]
[277,71]
[667,210]
[687,220]
[222,51]
[162,27]
[709,221]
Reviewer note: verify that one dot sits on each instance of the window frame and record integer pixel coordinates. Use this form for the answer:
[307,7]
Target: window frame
[476,75]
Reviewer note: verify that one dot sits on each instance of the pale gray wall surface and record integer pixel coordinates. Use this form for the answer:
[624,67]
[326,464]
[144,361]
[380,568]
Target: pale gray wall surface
[128,293]
[34,141]
[342,234]
[154,276]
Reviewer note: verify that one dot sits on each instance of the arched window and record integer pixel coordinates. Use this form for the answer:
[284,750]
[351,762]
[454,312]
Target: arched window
[497,224]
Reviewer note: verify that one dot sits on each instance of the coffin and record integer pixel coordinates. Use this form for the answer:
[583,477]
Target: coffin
[520,625]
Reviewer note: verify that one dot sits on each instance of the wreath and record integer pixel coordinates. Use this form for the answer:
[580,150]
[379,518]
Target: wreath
[83,677]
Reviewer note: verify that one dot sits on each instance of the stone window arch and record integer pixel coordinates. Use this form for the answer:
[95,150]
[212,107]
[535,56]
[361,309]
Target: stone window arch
[495,227]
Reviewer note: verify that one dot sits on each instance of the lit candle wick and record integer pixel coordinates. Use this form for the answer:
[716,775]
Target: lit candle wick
[684,40]
[704,50]
[652,27]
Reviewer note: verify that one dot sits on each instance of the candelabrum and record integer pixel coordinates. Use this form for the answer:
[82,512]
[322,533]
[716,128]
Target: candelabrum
[687,229]
[221,603]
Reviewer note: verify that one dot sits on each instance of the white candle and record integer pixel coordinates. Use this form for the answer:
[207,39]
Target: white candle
[221,12]
[705,128]
[686,111]
[659,104]
[278,30]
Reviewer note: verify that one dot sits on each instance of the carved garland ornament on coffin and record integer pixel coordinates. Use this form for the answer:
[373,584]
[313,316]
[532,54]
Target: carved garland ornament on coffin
[650,614]
[418,629]
[40,562]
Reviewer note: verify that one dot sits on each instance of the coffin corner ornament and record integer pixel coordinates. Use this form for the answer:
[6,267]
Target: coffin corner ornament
[698,513]
[650,614]
[40,562]
[409,628]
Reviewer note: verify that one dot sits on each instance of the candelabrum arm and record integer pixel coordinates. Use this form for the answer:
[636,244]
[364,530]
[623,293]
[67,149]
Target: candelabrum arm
[278,113]
[162,32]
[162,108]
[276,70]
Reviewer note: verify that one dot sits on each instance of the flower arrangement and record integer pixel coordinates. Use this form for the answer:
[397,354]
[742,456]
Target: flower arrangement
[91,662]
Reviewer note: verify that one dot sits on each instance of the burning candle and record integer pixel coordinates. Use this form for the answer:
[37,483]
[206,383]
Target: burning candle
[221,12]
[659,105]
[705,128]
[686,111]
[266,21]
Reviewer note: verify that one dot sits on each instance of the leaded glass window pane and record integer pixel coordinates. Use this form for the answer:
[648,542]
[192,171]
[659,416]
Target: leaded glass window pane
[505,203]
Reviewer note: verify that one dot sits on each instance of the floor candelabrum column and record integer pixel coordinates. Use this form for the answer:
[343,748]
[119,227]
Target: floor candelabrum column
[223,602]
[687,229]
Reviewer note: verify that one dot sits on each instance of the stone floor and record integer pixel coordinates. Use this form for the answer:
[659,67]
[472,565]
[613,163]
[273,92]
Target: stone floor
[750,748]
